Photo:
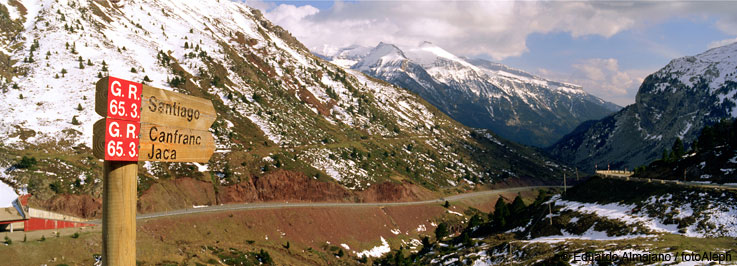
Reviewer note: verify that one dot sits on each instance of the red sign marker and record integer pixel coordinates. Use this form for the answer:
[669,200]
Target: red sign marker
[124,120]
[121,140]
[124,99]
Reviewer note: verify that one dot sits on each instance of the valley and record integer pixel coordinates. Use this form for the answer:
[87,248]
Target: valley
[348,152]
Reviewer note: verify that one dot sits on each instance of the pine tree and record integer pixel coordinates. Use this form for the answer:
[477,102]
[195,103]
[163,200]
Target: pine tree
[441,231]
[81,66]
[74,121]
[501,213]
[79,107]
[518,206]
[707,139]
[264,257]
[475,221]
[89,62]
[678,150]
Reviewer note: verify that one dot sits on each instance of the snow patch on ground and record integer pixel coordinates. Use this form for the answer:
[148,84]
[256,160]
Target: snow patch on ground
[720,215]
[376,251]
[7,195]
[421,228]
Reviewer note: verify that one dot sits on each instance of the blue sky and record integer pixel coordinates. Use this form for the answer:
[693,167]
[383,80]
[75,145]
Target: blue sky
[606,47]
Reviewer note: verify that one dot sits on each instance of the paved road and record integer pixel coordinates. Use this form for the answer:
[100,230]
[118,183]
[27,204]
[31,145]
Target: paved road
[673,182]
[279,205]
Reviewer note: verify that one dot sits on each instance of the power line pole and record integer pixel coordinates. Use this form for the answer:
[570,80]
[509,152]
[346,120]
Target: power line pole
[565,188]
[684,175]
[577,174]
[550,213]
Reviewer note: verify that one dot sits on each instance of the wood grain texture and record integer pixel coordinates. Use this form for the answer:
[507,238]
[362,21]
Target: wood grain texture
[152,97]
[119,213]
[200,154]
[98,139]
[101,88]
[184,152]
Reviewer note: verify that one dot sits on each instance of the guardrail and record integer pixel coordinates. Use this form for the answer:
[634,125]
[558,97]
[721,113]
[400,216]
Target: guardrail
[614,172]
[627,175]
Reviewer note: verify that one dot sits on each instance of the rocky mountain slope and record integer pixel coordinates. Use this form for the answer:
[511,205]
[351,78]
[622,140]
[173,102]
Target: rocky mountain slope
[481,94]
[675,102]
[279,107]
[712,158]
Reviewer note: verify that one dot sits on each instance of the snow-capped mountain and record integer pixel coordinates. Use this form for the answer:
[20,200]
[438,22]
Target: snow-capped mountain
[517,105]
[675,102]
[278,105]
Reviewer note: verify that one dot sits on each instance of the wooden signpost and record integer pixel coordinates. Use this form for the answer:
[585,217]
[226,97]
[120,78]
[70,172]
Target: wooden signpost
[141,123]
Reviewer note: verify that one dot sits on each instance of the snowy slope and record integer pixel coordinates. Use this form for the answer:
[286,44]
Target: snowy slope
[273,97]
[7,195]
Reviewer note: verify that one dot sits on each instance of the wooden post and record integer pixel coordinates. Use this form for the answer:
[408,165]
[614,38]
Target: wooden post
[550,211]
[565,188]
[119,213]
[576,173]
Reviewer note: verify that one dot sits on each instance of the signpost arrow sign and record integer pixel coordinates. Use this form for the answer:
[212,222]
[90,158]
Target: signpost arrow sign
[150,124]
[141,123]
[127,100]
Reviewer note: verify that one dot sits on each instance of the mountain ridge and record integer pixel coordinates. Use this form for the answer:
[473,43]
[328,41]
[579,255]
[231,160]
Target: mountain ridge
[514,104]
[676,101]
[279,106]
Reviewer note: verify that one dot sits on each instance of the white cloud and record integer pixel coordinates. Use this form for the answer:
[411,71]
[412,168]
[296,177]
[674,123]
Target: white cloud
[603,77]
[495,28]
[721,43]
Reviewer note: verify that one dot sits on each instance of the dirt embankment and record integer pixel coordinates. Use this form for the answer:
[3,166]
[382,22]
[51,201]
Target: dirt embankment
[389,191]
[75,205]
[281,185]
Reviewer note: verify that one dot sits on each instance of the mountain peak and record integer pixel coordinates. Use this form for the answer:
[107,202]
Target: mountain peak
[480,93]
[426,44]
[428,53]
[382,54]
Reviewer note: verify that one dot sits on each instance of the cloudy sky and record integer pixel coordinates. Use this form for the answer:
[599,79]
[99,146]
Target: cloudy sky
[607,47]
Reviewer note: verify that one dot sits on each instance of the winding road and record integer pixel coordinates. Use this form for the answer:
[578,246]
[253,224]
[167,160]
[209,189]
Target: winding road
[279,205]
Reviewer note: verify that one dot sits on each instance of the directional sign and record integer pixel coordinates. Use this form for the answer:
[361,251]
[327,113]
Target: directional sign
[151,124]
[175,109]
[159,106]
[174,144]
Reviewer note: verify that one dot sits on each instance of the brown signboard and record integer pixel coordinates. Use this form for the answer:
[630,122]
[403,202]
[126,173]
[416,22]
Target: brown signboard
[169,126]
